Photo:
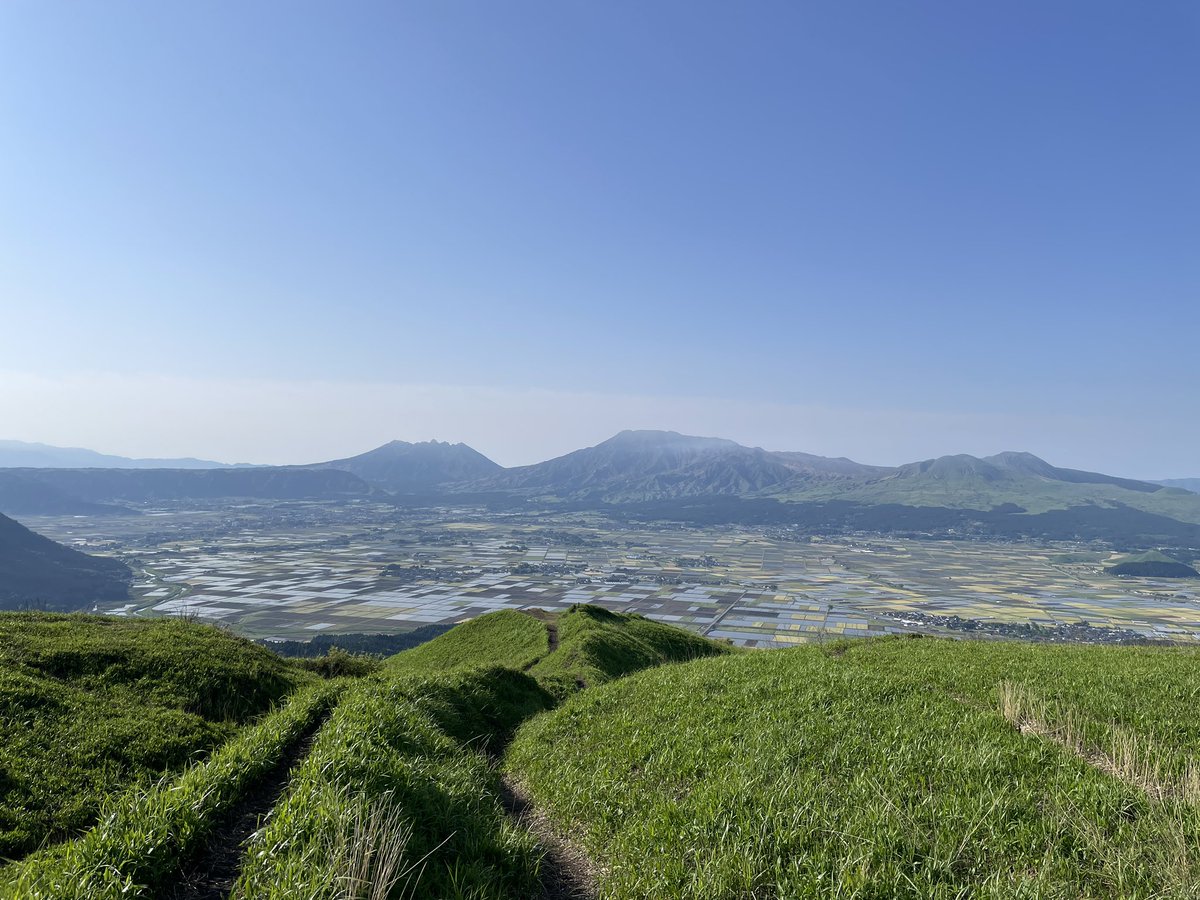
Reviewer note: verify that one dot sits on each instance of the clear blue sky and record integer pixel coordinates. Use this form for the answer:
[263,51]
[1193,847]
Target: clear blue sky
[955,210]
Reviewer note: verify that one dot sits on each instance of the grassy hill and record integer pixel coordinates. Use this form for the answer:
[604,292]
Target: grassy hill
[898,768]
[595,754]
[91,704]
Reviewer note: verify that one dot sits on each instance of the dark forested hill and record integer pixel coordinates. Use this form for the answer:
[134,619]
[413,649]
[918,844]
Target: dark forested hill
[37,572]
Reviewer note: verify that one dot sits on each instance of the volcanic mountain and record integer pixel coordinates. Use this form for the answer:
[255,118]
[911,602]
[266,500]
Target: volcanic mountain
[400,467]
[642,465]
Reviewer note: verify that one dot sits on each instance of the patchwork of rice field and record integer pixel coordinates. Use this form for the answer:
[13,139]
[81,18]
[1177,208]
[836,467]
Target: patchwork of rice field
[295,571]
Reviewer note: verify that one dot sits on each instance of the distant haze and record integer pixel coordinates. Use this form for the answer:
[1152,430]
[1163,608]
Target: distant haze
[282,422]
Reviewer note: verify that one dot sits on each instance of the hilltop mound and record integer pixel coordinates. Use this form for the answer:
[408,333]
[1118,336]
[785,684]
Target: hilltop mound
[502,638]
[36,571]
[583,646]
[596,646]
[1153,568]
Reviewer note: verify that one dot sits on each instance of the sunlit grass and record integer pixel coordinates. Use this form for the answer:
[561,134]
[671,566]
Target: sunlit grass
[863,773]
[410,750]
[145,835]
[90,705]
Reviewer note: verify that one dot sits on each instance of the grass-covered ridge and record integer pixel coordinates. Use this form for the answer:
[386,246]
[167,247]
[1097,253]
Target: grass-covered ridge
[503,638]
[399,792]
[857,769]
[401,787]
[146,836]
[595,645]
[90,705]
[898,768]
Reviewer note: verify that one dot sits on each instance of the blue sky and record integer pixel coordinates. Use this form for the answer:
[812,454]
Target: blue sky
[942,226]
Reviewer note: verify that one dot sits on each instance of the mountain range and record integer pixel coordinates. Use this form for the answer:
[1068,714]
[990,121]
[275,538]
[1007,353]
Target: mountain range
[663,474]
[22,454]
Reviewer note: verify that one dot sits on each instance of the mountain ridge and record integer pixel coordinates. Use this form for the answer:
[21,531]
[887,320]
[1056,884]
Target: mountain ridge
[32,455]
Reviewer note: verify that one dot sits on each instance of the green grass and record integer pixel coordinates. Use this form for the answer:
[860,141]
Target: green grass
[411,748]
[397,788]
[90,705]
[145,835]
[1149,691]
[596,646]
[884,768]
[505,638]
[870,770]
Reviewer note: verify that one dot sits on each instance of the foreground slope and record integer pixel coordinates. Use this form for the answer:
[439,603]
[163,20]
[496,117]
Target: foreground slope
[90,704]
[36,571]
[900,768]
[412,750]
[680,768]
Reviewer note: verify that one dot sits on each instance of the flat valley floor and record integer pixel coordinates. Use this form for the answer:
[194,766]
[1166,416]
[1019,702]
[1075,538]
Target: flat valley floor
[291,570]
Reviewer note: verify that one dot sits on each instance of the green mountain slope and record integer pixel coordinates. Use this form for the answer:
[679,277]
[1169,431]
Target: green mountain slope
[641,465]
[667,475]
[1009,479]
[1186,484]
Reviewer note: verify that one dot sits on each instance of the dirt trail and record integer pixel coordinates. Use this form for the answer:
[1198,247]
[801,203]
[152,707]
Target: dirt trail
[212,875]
[549,620]
[566,873]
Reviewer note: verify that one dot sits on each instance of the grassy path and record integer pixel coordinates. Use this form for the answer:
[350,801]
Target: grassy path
[214,872]
[146,836]
[565,871]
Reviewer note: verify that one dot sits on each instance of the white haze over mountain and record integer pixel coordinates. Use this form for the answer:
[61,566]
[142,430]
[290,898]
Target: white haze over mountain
[281,422]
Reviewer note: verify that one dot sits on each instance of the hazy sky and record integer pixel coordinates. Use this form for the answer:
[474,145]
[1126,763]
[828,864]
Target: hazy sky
[282,231]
